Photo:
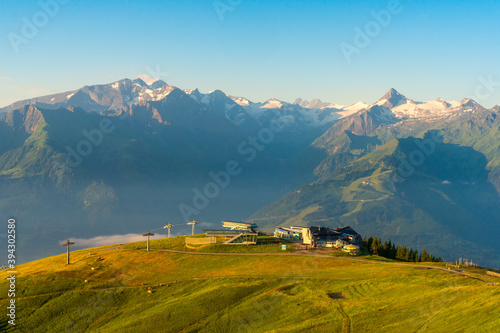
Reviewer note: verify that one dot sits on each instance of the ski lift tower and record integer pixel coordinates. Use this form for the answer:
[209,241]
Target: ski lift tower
[168,226]
[193,223]
[148,234]
[67,244]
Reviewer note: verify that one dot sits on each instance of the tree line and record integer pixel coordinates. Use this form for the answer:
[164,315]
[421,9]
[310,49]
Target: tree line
[400,252]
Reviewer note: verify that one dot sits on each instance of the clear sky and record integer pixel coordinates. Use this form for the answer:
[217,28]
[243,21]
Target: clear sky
[260,49]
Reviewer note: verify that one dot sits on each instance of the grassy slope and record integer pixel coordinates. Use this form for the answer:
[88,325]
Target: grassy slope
[217,293]
[422,212]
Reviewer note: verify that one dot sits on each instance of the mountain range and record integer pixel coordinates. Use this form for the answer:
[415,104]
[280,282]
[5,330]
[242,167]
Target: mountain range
[129,156]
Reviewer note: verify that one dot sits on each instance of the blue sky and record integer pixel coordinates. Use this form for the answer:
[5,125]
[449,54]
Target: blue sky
[259,50]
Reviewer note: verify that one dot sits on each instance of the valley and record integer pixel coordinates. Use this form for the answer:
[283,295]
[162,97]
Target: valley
[102,159]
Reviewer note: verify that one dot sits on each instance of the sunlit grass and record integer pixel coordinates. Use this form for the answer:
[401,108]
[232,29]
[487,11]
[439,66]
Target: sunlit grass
[207,293]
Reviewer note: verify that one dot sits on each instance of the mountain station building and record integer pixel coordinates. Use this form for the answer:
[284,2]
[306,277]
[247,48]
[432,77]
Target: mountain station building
[320,236]
[234,233]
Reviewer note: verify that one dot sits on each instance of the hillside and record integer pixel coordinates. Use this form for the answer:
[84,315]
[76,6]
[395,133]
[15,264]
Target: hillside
[377,181]
[225,292]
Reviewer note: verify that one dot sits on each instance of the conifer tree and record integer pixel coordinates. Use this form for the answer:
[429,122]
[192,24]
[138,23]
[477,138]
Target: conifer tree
[408,254]
[376,245]
[424,256]
[400,252]
[369,243]
[415,256]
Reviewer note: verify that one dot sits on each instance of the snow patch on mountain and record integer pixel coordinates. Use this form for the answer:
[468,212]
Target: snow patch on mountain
[240,100]
[121,94]
[347,110]
[272,104]
[403,107]
[335,110]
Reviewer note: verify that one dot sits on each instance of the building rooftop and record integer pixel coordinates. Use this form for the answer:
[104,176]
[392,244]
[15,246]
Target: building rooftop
[228,232]
[233,225]
[346,230]
[289,229]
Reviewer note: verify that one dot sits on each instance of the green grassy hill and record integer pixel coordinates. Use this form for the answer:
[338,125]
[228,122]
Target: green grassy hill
[132,290]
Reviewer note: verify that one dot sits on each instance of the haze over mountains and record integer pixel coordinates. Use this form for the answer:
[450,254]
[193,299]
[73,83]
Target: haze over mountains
[422,173]
[118,96]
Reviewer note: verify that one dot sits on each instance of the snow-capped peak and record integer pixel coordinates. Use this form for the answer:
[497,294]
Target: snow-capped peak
[444,103]
[433,109]
[347,110]
[158,84]
[301,102]
[240,100]
[140,82]
[356,106]
[192,91]
[468,102]
[393,99]
[126,92]
[272,104]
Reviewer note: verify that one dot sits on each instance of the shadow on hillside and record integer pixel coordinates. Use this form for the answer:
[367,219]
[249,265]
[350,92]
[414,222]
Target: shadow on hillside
[452,186]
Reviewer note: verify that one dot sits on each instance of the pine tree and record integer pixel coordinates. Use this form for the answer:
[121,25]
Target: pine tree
[400,253]
[391,250]
[385,250]
[414,258]
[375,246]
[369,243]
[409,254]
[424,256]
[394,250]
